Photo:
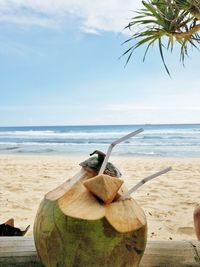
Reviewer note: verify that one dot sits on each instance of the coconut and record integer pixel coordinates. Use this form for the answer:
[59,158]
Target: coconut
[75,228]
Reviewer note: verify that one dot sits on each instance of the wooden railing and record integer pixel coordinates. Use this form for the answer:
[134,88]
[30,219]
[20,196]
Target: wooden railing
[20,252]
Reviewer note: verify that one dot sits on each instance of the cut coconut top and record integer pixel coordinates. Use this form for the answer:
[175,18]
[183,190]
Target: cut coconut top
[78,202]
[104,186]
[124,215]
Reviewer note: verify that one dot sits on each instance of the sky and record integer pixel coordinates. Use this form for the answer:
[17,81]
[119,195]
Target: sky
[59,65]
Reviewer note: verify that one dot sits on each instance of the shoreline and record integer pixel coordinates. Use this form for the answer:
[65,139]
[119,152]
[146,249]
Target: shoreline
[168,201]
[85,155]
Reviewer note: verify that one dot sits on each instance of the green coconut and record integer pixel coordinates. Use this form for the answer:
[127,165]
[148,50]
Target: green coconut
[73,228]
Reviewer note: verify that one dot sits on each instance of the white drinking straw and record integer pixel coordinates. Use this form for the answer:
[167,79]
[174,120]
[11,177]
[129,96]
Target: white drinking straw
[110,148]
[143,181]
[76,178]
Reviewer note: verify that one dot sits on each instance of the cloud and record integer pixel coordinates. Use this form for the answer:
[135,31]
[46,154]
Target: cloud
[32,20]
[94,15]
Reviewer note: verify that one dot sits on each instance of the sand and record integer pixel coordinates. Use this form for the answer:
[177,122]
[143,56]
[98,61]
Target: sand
[168,201]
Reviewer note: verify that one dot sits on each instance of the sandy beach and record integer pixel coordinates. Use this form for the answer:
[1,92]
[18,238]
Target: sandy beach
[168,201]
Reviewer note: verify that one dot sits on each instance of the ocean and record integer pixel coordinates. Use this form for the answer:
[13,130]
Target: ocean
[181,140]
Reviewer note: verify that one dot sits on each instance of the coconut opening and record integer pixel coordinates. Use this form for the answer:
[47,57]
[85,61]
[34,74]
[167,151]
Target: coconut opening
[87,198]
[79,202]
[124,215]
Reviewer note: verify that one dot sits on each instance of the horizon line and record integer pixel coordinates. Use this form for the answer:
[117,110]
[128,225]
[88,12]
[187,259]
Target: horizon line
[91,125]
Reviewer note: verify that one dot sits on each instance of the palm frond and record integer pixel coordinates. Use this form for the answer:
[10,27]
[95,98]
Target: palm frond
[165,22]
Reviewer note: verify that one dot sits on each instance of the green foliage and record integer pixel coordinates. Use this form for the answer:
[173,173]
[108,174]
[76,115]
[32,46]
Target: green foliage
[165,22]
[192,6]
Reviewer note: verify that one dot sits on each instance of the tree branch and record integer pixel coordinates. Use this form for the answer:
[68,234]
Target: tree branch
[187,34]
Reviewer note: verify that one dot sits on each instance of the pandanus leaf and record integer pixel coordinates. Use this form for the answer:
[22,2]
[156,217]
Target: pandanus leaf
[165,22]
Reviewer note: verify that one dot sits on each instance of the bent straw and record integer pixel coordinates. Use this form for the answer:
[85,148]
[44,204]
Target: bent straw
[113,144]
[143,181]
[76,178]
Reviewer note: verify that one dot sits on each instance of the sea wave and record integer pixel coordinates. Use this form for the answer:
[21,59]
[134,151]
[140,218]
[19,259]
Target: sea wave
[155,140]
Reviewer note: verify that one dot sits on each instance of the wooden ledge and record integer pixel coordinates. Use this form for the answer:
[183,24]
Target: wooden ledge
[20,252]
